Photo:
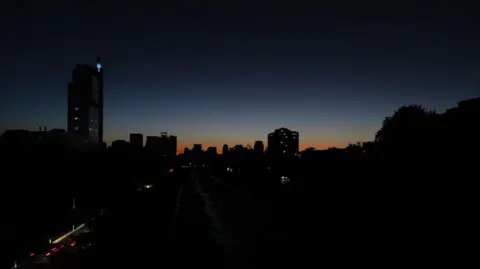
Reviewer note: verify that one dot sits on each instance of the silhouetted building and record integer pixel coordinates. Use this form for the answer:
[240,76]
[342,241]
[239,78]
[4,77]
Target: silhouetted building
[258,147]
[15,137]
[174,144]
[283,142]
[54,137]
[152,144]
[212,151]
[239,149]
[165,145]
[197,154]
[168,144]
[225,149]
[120,145]
[85,102]
[197,148]
[136,140]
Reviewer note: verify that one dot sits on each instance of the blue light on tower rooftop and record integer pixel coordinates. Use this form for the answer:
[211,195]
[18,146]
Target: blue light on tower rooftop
[99,66]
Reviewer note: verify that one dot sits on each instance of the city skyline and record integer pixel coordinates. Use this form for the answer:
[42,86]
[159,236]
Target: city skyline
[219,76]
[225,134]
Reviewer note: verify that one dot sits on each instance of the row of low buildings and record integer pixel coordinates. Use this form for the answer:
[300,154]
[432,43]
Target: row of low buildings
[162,145]
[281,142]
[59,138]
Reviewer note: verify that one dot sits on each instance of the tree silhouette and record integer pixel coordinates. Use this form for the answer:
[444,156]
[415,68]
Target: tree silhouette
[357,147]
[409,130]
[460,130]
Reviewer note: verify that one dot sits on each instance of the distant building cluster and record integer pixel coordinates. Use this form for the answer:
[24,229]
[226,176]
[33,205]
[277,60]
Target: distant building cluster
[85,125]
[43,137]
[281,143]
[164,145]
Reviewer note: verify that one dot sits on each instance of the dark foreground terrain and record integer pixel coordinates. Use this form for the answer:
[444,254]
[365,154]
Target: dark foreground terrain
[194,217]
[163,225]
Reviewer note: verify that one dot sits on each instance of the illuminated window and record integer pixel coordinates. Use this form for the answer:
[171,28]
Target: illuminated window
[93,126]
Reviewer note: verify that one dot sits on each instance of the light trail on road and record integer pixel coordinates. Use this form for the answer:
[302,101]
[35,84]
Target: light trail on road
[61,238]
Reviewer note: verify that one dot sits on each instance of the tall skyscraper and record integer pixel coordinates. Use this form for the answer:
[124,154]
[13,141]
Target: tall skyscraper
[283,142]
[85,102]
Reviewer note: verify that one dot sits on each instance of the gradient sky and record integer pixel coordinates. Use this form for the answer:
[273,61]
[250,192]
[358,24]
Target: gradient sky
[233,73]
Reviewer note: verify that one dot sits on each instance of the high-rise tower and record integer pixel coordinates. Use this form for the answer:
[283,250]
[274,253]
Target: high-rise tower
[85,102]
[283,142]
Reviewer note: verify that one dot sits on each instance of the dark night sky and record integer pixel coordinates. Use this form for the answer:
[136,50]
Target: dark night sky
[231,74]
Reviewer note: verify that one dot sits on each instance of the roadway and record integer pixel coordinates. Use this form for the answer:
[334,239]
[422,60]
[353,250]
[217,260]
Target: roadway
[332,221]
[138,232]
[243,222]
[129,230]
[163,225]
[65,245]
[191,218]
[196,237]
[264,227]
[182,219]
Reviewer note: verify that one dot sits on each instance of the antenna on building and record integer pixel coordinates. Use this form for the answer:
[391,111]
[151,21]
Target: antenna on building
[99,64]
